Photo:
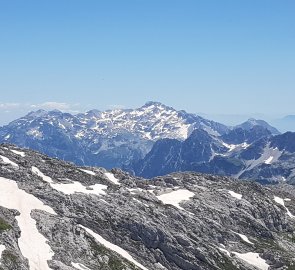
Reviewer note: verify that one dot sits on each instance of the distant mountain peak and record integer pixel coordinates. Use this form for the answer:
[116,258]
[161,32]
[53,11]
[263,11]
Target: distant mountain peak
[38,113]
[252,122]
[157,105]
[153,103]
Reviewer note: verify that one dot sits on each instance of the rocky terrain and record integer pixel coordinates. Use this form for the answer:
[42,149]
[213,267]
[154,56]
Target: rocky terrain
[55,215]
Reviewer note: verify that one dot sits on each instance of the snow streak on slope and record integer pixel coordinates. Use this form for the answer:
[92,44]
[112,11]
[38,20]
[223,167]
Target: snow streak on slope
[8,161]
[33,245]
[113,247]
[87,171]
[22,154]
[244,238]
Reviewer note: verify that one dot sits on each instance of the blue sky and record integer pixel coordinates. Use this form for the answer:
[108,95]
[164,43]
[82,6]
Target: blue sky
[210,56]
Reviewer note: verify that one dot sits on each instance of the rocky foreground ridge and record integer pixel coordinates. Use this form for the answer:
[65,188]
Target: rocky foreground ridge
[54,215]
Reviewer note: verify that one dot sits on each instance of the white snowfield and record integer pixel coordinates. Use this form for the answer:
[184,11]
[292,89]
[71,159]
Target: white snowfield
[282,202]
[73,187]
[80,266]
[175,197]
[113,247]
[253,259]
[32,244]
[235,195]
[22,154]
[87,171]
[112,178]
[8,161]
[244,238]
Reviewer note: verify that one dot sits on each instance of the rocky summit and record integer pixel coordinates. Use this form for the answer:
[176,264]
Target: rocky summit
[55,215]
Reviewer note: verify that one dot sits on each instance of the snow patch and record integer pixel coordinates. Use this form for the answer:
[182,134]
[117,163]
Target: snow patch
[112,178]
[113,247]
[269,160]
[32,244]
[77,187]
[80,266]
[282,202]
[235,195]
[73,187]
[232,147]
[22,154]
[175,197]
[253,259]
[88,172]
[8,161]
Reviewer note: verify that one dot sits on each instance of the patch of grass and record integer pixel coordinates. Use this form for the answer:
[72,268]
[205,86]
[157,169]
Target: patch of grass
[114,262]
[4,225]
[10,261]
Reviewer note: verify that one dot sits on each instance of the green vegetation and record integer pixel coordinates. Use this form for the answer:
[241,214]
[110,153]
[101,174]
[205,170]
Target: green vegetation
[4,225]
[10,260]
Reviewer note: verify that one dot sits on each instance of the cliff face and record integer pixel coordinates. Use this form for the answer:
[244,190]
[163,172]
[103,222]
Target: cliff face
[54,215]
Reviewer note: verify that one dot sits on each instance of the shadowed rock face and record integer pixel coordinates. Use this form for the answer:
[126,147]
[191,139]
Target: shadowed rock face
[213,222]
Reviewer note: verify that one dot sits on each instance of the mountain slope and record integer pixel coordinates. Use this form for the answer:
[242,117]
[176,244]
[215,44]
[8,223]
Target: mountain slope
[88,218]
[260,156]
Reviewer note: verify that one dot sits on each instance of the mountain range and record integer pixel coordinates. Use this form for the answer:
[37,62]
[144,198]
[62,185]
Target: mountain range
[109,138]
[55,215]
[156,139]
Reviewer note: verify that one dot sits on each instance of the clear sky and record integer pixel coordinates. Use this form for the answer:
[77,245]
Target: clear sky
[209,56]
